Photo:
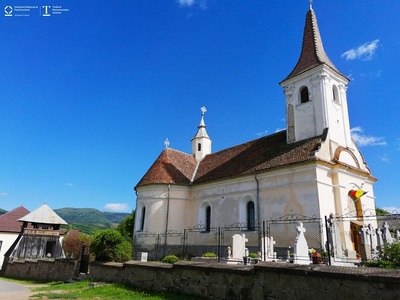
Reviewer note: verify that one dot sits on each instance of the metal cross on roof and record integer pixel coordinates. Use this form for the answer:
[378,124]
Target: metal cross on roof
[166,143]
[203,110]
[310,1]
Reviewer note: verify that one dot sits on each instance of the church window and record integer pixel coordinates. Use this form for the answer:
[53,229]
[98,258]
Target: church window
[208,219]
[142,218]
[335,94]
[251,216]
[304,97]
[199,147]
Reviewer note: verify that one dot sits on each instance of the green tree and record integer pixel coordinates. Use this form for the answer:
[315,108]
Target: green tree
[74,242]
[126,226]
[110,245]
[381,212]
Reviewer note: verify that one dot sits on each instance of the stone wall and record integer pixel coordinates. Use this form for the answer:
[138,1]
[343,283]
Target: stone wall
[42,269]
[260,281]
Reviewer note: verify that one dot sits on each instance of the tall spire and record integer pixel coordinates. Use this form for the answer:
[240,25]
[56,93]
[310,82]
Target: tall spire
[312,52]
[201,142]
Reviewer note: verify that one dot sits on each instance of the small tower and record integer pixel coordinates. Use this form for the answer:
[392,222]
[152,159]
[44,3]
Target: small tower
[315,92]
[201,142]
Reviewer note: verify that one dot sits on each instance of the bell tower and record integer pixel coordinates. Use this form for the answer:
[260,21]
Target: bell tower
[315,92]
[201,142]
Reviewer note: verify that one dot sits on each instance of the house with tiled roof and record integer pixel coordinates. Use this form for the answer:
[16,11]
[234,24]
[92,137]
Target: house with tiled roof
[10,229]
[306,169]
[39,236]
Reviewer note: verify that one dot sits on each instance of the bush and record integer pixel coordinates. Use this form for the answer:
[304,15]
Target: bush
[254,255]
[74,242]
[170,259]
[389,257]
[209,254]
[110,245]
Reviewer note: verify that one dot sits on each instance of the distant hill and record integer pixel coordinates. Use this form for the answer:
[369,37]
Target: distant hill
[88,220]
[89,215]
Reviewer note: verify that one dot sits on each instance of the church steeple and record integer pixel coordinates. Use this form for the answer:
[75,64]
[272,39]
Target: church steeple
[315,92]
[201,142]
[312,52]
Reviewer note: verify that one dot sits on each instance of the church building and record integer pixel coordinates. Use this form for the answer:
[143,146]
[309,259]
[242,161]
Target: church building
[307,169]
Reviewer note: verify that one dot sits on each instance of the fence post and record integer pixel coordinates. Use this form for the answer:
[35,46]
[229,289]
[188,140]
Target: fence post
[327,228]
[263,243]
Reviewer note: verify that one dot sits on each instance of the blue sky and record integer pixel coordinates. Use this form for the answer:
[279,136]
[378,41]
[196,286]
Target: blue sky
[90,94]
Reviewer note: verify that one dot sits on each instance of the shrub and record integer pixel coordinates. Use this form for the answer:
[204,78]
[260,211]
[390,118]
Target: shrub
[254,255]
[74,242]
[110,245]
[209,254]
[389,257]
[170,259]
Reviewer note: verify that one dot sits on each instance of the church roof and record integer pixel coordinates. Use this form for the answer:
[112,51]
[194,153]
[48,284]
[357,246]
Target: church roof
[262,154]
[9,220]
[171,166]
[312,52]
[43,215]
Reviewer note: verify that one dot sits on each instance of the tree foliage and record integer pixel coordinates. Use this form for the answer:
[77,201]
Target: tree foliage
[74,242]
[126,226]
[110,245]
[381,212]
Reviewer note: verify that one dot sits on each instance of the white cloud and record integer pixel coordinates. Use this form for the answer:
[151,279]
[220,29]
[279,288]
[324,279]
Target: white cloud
[384,158]
[186,2]
[4,194]
[189,3]
[363,140]
[122,207]
[364,52]
[69,184]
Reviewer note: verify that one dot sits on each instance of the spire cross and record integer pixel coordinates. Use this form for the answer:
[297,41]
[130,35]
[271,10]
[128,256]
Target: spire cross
[310,1]
[203,110]
[166,143]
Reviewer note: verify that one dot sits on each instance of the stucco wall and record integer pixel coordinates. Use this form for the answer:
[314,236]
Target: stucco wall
[261,281]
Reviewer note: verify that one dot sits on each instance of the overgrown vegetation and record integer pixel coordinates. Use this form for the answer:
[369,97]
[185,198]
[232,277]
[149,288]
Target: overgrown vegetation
[110,245]
[389,257]
[170,259]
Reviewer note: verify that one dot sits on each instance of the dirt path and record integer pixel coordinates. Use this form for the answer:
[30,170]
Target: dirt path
[14,291]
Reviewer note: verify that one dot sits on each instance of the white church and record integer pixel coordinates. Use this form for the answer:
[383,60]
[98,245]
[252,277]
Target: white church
[307,169]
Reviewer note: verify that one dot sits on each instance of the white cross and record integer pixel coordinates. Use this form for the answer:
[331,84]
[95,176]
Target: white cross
[166,143]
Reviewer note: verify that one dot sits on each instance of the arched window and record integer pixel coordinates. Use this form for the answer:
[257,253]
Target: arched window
[142,218]
[251,216]
[335,94]
[199,147]
[208,219]
[304,97]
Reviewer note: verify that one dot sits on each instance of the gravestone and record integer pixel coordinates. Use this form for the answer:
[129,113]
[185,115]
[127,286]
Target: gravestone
[387,236]
[301,253]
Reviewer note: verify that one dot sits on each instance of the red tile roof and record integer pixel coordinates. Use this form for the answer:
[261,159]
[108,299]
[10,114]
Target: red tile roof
[171,166]
[258,155]
[9,220]
[312,52]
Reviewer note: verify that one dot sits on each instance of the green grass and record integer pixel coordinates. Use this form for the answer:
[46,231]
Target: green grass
[82,290]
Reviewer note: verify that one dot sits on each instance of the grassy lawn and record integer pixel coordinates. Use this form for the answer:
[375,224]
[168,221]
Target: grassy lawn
[85,290]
